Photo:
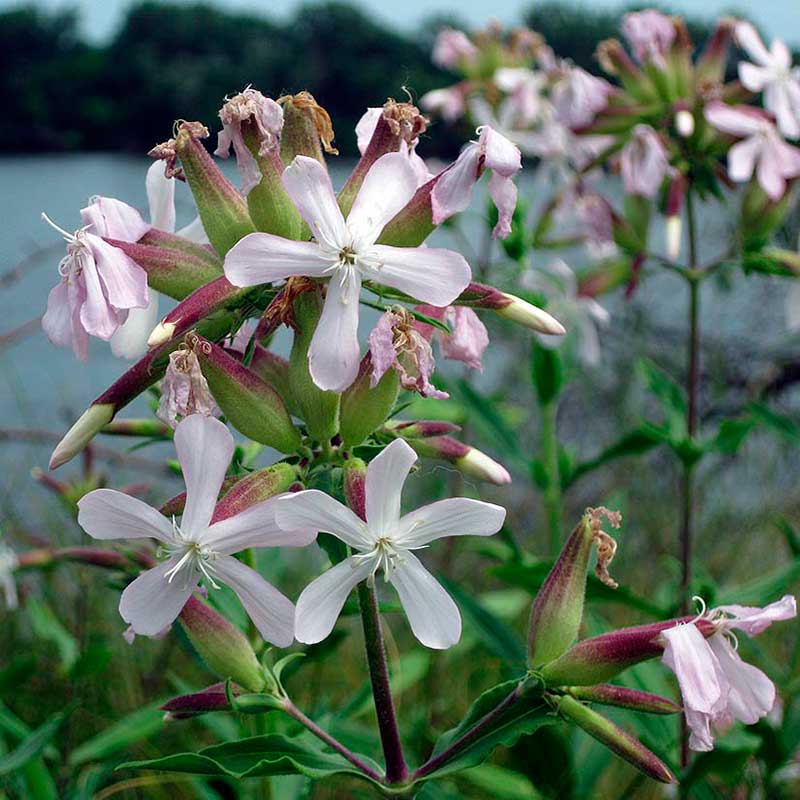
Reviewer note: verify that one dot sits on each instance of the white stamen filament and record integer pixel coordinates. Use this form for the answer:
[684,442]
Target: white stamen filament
[385,556]
[196,556]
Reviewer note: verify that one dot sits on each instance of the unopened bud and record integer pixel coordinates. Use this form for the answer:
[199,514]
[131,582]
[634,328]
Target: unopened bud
[82,432]
[355,486]
[673,235]
[620,696]
[212,698]
[221,645]
[615,739]
[710,66]
[529,315]
[161,334]
[466,459]
[684,123]
[255,488]
[558,610]
[364,407]
[250,405]
[421,428]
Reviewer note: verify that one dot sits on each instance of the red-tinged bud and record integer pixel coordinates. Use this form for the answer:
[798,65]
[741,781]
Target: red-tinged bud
[221,645]
[175,505]
[710,66]
[600,658]
[355,482]
[366,407]
[212,698]
[558,610]
[466,459]
[223,211]
[255,488]
[250,405]
[199,304]
[399,125]
[620,696]
[274,370]
[174,265]
[306,126]
[91,422]
[615,61]
[421,428]
[412,226]
[319,409]
[679,67]
[150,428]
[615,739]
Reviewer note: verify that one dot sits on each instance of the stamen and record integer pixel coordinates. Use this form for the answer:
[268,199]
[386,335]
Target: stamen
[702,603]
[70,237]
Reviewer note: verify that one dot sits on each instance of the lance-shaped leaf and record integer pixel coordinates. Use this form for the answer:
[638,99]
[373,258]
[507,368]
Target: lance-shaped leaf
[252,407]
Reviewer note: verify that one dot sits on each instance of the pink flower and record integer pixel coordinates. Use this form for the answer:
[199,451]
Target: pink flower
[99,285]
[264,116]
[196,549]
[449,103]
[184,390]
[452,49]
[524,88]
[650,35]
[346,252]
[644,162]
[385,540]
[578,96]
[468,337]
[717,686]
[453,189]
[396,343]
[773,75]
[762,150]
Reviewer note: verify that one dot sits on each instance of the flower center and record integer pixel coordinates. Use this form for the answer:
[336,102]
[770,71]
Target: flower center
[194,557]
[384,556]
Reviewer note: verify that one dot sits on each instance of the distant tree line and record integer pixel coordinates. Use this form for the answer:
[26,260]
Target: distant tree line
[170,61]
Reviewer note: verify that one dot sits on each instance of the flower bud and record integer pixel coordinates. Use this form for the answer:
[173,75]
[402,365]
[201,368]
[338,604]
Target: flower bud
[558,610]
[212,698]
[421,428]
[622,697]
[221,645]
[355,482]
[306,125]
[150,428]
[255,488]
[274,370]
[82,432]
[250,405]
[320,409]
[684,123]
[466,459]
[529,315]
[615,739]
[174,265]
[365,408]
[710,66]
[222,208]
[615,61]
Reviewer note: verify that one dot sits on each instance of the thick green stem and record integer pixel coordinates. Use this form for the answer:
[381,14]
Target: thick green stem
[552,492]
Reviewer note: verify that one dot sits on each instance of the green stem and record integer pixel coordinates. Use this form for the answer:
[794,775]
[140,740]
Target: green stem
[552,492]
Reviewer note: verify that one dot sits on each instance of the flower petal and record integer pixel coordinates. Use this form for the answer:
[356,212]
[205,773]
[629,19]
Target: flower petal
[501,155]
[255,527]
[737,120]
[503,192]
[386,474]
[748,39]
[315,510]
[753,620]
[334,353]
[114,219]
[308,183]
[320,603]
[124,281]
[742,159]
[264,257]
[434,617]
[152,602]
[205,448]
[366,127]
[160,197]
[130,339]
[431,275]
[109,514]
[388,186]
[271,612]
[456,516]
[97,317]
[453,189]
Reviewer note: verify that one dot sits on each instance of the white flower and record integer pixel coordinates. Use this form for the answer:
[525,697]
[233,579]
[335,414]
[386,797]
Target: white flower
[773,75]
[385,541]
[347,253]
[196,549]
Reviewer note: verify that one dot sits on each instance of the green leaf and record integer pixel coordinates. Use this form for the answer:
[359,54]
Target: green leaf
[500,783]
[13,726]
[546,373]
[46,626]
[486,417]
[523,717]
[669,394]
[273,754]
[731,434]
[32,746]
[764,589]
[141,724]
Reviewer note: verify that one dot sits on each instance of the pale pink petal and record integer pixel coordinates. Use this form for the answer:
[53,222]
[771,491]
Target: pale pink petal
[501,155]
[184,390]
[124,281]
[388,186]
[57,320]
[160,197]
[421,172]
[308,183]
[701,739]
[650,34]
[130,339]
[255,527]
[737,120]
[271,612]
[742,159]
[317,511]
[453,189]
[366,127]
[753,620]
[114,219]
[205,447]
[321,602]
[504,195]
[748,39]
[334,352]
[152,602]
[97,317]
[452,47]
[447,102]
[456,516]
[109,514]
[468,337]
[770,172]
[752,77]
[783,100]
[386,475]
[428,274]
[381,347]
[433,615]
[264,258]
[643,162]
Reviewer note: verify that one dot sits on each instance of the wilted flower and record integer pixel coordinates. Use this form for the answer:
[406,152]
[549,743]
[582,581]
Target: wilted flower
[578,96]
[453,48]
[184,389]
[385,541]
[264,117]
[773,75]
[395,342]
[196,549]
[650,35]
[762,150]
[345,251]
[643,162]
[716,685]
[453,190]
[468,337]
